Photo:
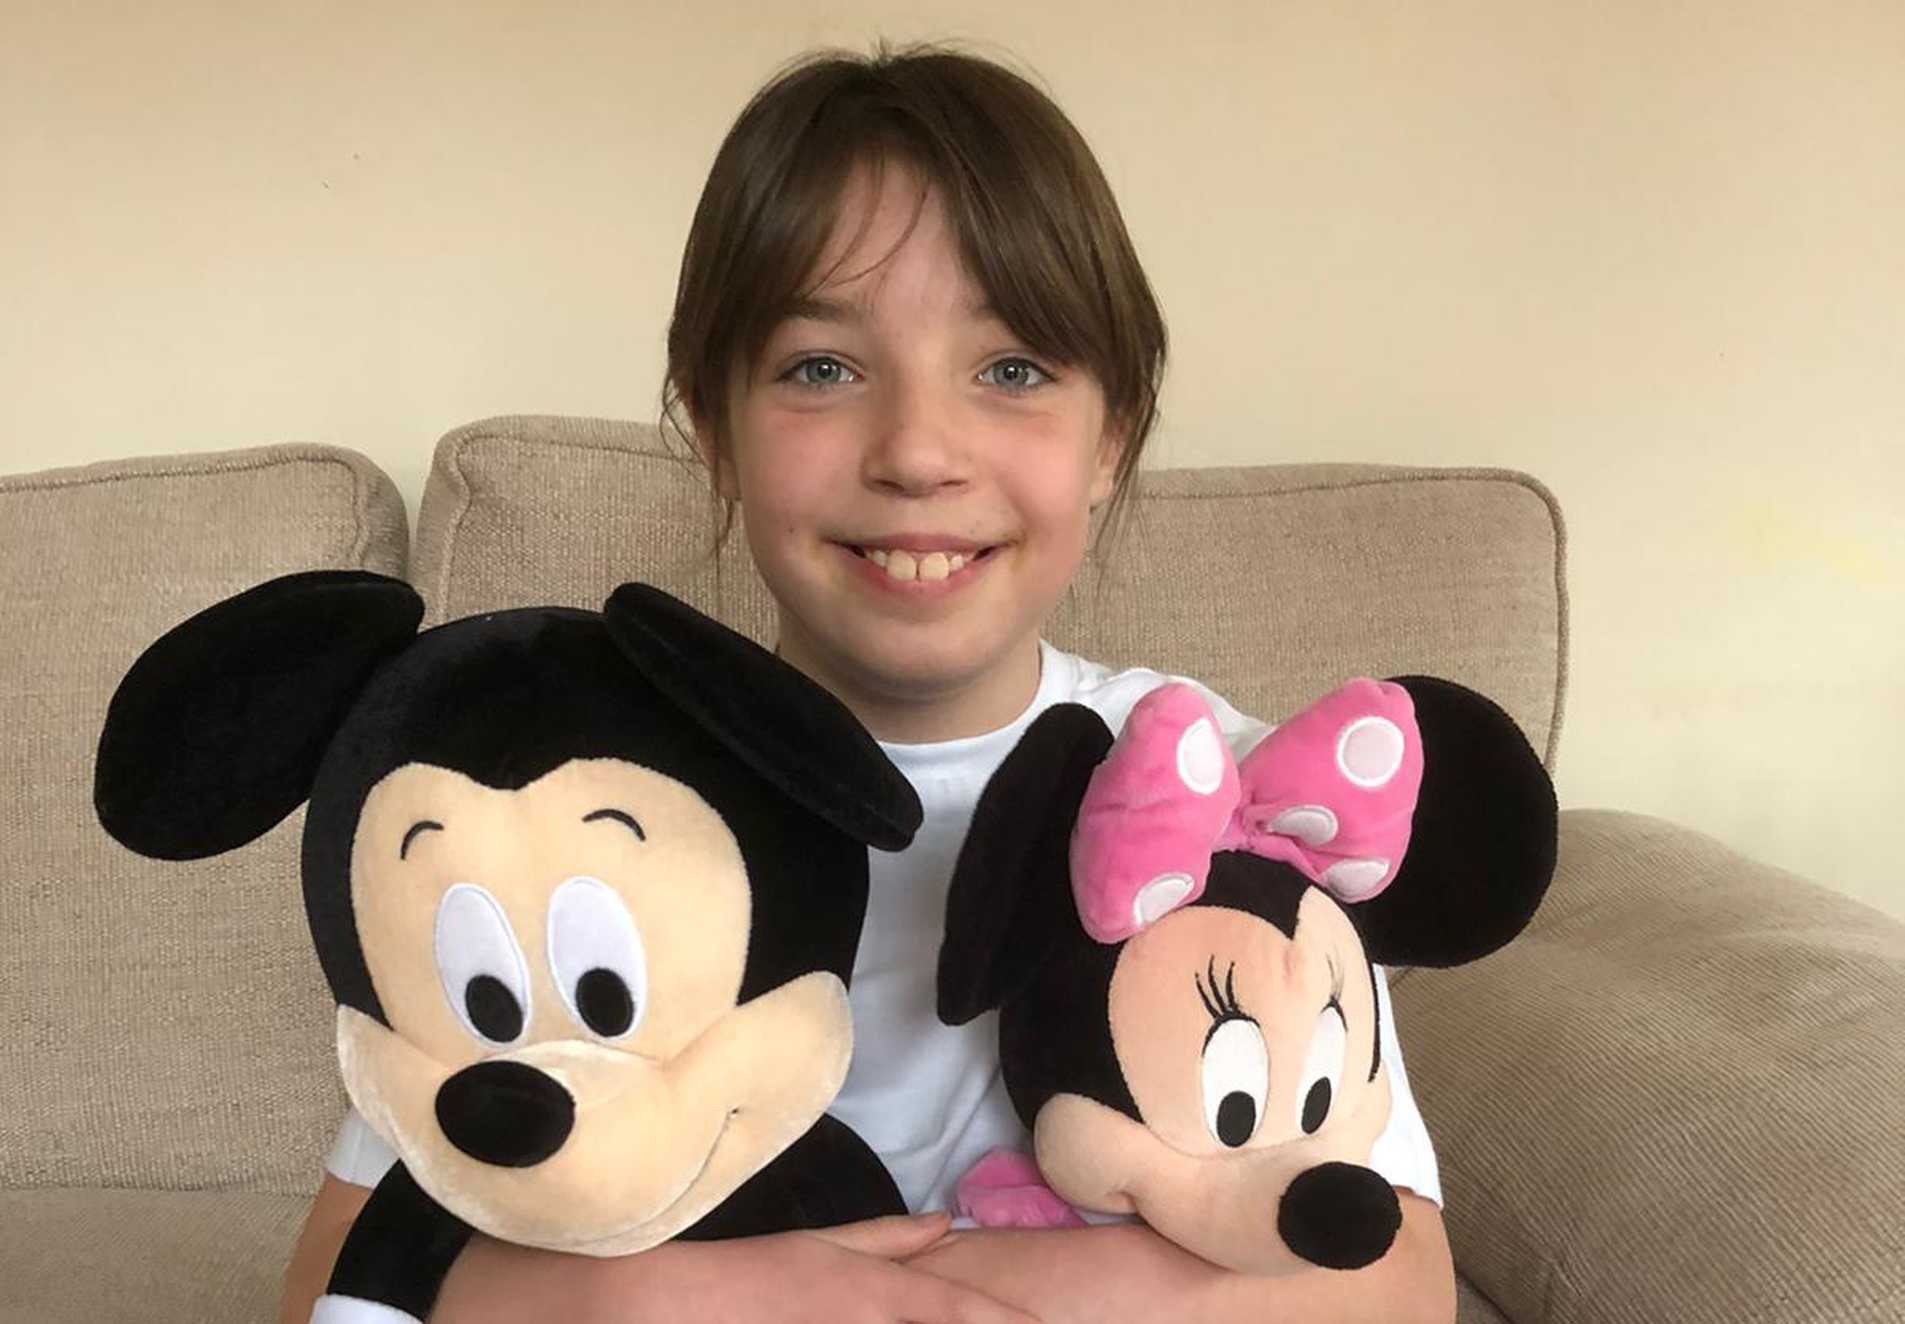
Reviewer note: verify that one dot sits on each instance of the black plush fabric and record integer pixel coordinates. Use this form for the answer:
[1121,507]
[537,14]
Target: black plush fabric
[214,733]
[827,1177]
[1481,845]
[1339,1215]
[1008,902]
[1013,940]
[771,717]
[400,1247]
[505,1113]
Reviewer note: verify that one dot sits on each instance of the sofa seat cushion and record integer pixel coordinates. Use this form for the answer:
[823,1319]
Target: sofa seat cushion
[1680,1095]
[97,1256]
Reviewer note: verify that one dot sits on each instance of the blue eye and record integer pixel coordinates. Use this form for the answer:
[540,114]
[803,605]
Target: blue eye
[833,375]
[1021,375]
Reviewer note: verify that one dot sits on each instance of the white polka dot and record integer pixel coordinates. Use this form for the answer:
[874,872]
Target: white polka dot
[1369,751]
[1313,825]
[1159,897]
[1354,880]
[1200,757]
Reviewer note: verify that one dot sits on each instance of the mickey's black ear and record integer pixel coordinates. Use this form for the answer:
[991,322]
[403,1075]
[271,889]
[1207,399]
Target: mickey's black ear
[216,731]
[1010,891]
[1481,845]
[767,714]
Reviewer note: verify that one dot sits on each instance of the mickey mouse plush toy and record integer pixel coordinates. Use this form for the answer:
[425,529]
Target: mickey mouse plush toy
[587,888]
[1180,947]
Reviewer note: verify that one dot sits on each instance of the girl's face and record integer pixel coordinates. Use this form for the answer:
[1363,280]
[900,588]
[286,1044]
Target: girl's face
[916,484]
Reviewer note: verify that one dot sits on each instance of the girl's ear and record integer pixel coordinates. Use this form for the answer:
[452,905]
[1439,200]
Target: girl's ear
[216,731]
[1009,896]
[766,714]
[1481,844]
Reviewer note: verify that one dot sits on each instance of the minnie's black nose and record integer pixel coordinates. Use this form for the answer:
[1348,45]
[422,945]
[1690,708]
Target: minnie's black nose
[1340,1216]
[505,1113]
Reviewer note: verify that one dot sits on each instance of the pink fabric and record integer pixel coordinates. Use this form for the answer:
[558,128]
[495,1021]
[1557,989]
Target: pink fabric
[1331,792]
[1005,1189]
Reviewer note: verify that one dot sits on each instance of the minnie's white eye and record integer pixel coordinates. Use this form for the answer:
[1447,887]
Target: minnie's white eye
[481,966]
[1322,1069]
[595,954]
[1236,1077]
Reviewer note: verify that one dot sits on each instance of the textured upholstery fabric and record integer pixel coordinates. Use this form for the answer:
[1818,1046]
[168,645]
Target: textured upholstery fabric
[1679,1096]
[1270,584]
[166,1024]
[101,1256]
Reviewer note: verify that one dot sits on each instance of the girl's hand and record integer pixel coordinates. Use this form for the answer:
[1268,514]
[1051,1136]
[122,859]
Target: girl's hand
[844,1275]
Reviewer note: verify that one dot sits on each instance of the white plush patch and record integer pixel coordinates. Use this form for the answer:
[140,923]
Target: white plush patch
[1369,751]
[590,929]
[1353,880]
[1200,757]
[1160,897]
[473,938]
[356,1310]
[1313,825]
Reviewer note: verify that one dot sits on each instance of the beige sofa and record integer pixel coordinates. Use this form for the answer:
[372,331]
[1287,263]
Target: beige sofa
[1677,1098]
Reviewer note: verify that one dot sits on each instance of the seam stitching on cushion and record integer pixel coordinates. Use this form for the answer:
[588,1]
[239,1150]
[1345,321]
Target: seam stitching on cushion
[26,483]
[356,545]
[440,608]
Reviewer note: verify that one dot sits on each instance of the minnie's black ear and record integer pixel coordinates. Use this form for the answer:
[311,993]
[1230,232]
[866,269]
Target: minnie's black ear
[1481,844]
[216,731]
[1010,892]
[766,714]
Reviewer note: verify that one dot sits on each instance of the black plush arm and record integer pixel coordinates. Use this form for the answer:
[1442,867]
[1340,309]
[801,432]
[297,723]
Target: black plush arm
[396,1256]
[827,1177]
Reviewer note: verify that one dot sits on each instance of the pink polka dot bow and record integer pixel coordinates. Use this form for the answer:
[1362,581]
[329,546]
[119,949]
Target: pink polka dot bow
[1331,792]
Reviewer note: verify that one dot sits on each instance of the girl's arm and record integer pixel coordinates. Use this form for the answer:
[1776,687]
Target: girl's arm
[846,1275]
[1127,1272]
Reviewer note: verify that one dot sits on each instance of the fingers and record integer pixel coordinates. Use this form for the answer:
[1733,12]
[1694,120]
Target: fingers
[890,1238]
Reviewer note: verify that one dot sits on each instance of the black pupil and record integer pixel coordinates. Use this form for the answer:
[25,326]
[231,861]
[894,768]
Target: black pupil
[1316,1106]
[604,1002]
[493,1009]
[1236,1118]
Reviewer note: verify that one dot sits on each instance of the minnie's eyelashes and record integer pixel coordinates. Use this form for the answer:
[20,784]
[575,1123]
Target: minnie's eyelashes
[1221,1000]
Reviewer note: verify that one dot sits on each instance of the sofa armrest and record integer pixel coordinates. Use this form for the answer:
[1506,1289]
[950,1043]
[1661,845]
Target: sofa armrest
[1679,1096]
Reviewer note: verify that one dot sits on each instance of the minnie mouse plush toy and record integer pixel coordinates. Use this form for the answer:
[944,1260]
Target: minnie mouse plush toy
[1182,946]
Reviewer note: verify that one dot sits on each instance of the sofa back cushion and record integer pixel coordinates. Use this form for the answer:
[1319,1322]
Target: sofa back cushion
[1270,583]
[166,1023]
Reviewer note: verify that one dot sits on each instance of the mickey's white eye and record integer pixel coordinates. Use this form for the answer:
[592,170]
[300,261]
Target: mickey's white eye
[596,956]
[481,966]
[1322,1069]
[1236,1078]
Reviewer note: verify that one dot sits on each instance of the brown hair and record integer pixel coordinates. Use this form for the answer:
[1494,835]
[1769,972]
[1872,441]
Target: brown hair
[1035,221]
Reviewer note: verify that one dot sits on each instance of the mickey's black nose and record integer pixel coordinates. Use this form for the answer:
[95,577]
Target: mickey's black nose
[505,1113]
[1340,1216]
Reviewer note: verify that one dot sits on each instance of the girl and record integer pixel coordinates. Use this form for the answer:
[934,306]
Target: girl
[915,347]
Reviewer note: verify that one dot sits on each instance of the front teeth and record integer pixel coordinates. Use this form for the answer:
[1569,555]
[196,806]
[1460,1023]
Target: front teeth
[906,567]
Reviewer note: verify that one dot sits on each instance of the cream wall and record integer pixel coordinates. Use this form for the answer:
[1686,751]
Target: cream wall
[1647,251]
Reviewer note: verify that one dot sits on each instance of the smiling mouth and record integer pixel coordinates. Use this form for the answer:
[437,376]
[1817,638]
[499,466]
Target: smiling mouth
[908,566]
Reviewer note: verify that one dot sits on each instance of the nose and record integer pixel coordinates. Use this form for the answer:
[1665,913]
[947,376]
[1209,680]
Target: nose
[916,449]
[1339,1215]
[505,1113]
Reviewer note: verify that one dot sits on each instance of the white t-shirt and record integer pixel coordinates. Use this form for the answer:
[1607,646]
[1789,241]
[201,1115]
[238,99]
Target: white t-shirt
[929,1098]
